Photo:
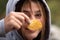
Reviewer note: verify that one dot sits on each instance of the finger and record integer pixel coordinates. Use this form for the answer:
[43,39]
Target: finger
[27,19]
[19,17]
[15,24]
[16,20]
[24,16]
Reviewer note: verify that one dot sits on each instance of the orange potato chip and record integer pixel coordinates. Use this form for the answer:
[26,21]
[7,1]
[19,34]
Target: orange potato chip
[35,25]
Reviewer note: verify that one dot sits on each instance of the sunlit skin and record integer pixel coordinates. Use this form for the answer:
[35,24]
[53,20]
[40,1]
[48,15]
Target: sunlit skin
[33,11]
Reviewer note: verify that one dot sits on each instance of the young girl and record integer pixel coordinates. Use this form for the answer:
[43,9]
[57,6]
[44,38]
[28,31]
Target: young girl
[24,12]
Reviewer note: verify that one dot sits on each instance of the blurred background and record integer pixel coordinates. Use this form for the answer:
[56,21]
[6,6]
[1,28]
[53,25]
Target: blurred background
[54,6]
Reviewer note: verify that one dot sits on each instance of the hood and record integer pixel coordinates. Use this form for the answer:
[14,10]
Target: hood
[11,7]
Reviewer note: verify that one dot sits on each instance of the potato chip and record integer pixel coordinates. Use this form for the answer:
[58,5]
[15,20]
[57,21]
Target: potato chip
[35,25]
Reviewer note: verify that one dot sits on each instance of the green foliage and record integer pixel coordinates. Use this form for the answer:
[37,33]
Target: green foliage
[2,7]
[55,11]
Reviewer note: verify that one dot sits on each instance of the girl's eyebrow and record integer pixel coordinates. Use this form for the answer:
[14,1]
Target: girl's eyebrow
[37,11]
[29,11]
[26,11]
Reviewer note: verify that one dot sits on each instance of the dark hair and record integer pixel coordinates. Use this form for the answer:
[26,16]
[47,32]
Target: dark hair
[47,24]
[19,5]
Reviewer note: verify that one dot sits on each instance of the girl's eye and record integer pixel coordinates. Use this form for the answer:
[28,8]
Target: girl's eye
[27,13]
[38,15]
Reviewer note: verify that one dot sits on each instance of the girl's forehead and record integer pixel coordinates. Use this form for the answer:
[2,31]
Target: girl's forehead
[31,5]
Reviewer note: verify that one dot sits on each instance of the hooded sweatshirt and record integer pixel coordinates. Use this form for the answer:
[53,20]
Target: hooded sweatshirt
[14,35]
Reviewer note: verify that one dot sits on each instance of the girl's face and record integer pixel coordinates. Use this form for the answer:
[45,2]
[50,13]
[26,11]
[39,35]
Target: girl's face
[33,11]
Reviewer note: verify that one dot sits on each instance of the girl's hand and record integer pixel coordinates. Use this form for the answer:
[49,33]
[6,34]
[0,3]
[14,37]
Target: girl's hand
[14,21]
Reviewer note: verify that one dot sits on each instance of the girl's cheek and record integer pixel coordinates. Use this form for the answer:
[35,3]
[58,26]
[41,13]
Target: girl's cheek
[42,20]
